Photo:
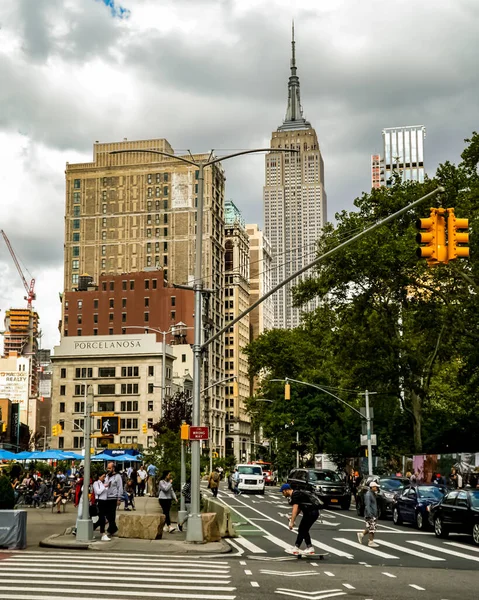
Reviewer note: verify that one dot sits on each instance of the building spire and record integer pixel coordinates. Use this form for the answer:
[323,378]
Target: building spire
[294,113]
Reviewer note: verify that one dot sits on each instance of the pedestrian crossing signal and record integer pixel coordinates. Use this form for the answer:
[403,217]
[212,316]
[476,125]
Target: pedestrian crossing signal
[110,425]
[57,429]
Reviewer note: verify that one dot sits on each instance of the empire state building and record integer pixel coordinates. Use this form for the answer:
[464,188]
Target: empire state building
[294,201]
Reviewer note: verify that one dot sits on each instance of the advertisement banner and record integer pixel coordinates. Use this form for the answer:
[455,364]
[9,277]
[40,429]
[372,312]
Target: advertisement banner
[14,386]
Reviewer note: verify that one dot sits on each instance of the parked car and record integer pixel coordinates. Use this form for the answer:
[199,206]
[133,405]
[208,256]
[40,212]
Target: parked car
[388,488]
[270,477]
[458,512]
[327,485]
[413,502]
[251,478]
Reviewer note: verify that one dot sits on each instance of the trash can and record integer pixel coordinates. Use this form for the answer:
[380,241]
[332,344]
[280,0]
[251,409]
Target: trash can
[13,529]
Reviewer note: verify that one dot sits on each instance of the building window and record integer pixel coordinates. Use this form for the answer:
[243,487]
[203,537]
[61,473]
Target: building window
[165,204]
[79,319]
[78,442]
[61,407]
[76,211]
[165,231]
[129,371]
[151,388]
[123,317]
[84,373]
[112,303]
[103,235]
[103,264]
[76,251]
[147,302]
[76,184]
[76,237]
[95,318]
[95,303]
[110,331]
[150,405]
[63,373]
[150,423]
[76,223]
[106,389]
[151,370]
[103,221]
[76,197]
[129,406]
[61,443]
[79,390]
[123,302]
[78,424]
[129,388]
[106,407]
[63,390]
[112,286]
[103,250]
[146,316]
[129,423]
[110,317]
[132,284]
[79,407]
[183,358]
[173,315]
[124,285]
[106,372]
[155,283]
[95,332]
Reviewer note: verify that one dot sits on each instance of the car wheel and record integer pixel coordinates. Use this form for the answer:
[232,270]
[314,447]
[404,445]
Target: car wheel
[420,522]
[262,492]
[475,534]
[439,528]
[396,517]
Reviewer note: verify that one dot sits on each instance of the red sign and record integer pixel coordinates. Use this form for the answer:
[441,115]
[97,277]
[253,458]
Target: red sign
[199,433]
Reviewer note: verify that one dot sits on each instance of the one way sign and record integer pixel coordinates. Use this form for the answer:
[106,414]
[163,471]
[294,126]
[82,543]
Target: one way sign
[110,425]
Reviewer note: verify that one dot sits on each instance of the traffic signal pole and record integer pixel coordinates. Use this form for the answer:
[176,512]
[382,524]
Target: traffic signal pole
[84,523]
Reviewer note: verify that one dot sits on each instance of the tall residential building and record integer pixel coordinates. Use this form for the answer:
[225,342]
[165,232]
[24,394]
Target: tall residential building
[20,338]
[375,171]
[236,300]
[294,200]
[260,281]
[403,153]
[128,212]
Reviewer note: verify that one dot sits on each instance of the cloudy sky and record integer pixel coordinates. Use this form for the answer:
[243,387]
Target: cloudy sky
[213,74]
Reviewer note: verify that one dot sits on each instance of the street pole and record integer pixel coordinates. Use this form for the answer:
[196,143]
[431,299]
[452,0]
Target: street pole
[84,524]
[182,512]
[297,449]
[163,373]
[368,430]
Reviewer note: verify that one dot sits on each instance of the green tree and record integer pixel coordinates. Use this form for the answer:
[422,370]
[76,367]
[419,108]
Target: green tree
[7,497]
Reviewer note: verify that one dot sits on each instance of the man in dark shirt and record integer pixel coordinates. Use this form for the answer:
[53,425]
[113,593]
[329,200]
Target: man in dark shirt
[308,504]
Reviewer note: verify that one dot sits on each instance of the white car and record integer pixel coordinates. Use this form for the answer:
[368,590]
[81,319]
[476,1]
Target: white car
[251,478]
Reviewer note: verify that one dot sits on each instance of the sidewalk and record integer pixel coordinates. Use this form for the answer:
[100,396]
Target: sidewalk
[59,526]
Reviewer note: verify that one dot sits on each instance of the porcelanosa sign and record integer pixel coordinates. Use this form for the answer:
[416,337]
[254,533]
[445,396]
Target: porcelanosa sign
[109,345]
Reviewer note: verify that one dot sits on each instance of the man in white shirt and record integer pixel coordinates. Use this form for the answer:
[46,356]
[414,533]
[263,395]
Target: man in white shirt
[142,476]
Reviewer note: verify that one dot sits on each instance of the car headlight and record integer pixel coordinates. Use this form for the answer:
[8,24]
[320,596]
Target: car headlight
[388,495]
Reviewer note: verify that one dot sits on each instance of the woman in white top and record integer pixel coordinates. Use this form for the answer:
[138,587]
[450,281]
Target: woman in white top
[166,497]
[101,490]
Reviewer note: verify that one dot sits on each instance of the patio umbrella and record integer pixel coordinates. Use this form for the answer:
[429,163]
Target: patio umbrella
[6,455]
[49,455]
[73,456]
[127,458]
[101,457]
[23,455]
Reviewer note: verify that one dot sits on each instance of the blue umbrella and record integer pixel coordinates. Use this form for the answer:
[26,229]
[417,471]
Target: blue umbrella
[6,455]
[23,455]
[127,458]
[101,457]
[73,456]
[50,455]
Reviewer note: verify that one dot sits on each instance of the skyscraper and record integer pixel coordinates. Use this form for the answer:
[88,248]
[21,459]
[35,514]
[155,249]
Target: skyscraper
[294,200]
[403,153]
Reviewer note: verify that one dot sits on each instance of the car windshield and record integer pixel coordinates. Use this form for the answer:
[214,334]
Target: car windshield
[475,498]
[430,491]
[250,470]
[323,476]
[391,484]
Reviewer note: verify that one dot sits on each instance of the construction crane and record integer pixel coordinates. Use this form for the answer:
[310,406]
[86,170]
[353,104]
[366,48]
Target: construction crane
[30,289]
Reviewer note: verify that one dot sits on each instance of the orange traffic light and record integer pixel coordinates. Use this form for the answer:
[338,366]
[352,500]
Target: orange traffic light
[455,237]
[235,388]
[287,391]
[433,237]
[144,428]
[185,431]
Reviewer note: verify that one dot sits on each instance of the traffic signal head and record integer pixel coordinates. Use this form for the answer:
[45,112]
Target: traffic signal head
[144,428]
[287,391]
[433,237]
[455,237]
[4,427]
[57,429]
[235,388]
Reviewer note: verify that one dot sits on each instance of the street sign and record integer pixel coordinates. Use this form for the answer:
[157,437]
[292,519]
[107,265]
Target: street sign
[199,433]
[364,440]
[110,425]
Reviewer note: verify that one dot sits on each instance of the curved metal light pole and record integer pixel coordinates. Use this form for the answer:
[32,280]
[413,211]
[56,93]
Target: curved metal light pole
[195,528]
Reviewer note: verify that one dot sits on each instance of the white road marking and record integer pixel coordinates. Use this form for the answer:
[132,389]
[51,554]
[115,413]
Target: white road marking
[258,519]
[463,546]
[248,531]
[364,548]
[26,594]
[362,520]
[6,567]
[242,563]
[319,595]
[254,584]
[250,546]
[390,575]
[10,574]
[446,551]
[409,551]
[93,562]
[291,574]
[119,556]
[382,531]
[329,574]
[417,587]
[349,586]
[248,572]
[239,551]
[114,584]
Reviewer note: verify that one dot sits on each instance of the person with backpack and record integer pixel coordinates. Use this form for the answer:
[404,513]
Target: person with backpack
[308,504]
[214,482]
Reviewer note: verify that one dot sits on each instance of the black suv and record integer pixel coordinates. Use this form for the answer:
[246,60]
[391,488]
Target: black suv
[327,485]
[388,488]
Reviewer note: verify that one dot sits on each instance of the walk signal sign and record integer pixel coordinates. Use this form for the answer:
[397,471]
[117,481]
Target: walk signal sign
[455,237]
[110,425]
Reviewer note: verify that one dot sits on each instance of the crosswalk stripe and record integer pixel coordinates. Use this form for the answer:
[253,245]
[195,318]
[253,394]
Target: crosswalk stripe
[277,541]
[445,551]
[94,561]
[463,546]
[5,566]
[34,595]
[113,584]
[364,548]
[53,574]
[409,551]
[137,556]
[250,546]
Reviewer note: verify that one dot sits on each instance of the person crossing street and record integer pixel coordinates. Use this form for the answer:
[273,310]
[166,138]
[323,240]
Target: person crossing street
[370,515]
[308,504]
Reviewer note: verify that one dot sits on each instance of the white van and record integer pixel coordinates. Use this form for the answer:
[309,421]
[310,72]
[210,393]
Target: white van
[251,478]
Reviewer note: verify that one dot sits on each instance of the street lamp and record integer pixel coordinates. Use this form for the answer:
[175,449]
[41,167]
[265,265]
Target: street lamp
[84,524]
[195,527]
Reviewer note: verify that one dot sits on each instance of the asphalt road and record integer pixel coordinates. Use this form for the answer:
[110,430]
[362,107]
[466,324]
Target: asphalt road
[407,565]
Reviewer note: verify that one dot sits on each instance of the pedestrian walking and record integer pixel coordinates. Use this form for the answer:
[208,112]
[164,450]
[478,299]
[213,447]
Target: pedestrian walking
[370,515]
[151,470]
[186,493]
[308,504]
[166,497]
[101,494]
[114,486]
[236,479]
[214,482]
[142,476]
